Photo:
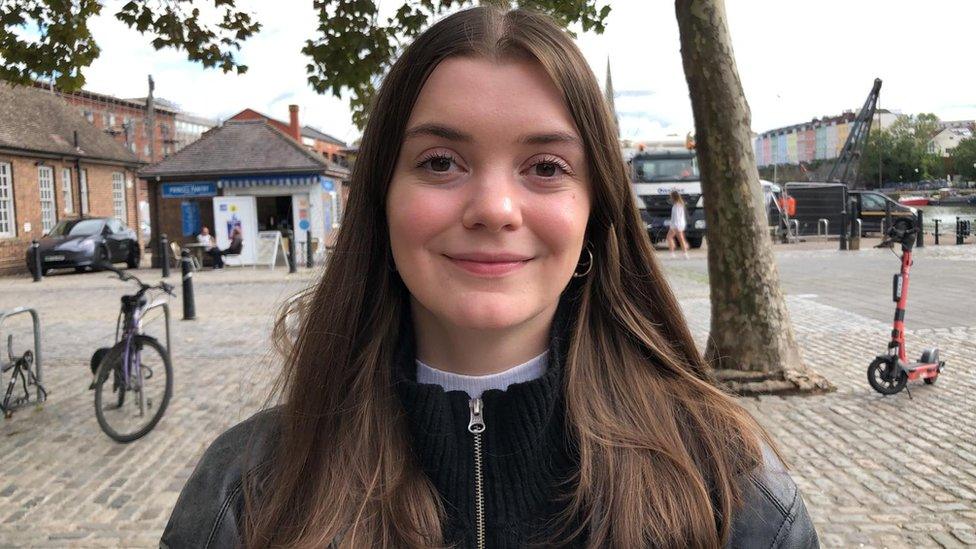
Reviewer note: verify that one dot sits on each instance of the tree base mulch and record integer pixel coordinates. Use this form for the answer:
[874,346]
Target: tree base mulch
[783,382]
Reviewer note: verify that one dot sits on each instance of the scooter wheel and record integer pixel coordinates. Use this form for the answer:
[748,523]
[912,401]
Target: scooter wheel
[930,380]
[885,377]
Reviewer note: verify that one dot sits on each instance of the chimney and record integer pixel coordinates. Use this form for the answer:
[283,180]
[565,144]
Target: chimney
[293,128]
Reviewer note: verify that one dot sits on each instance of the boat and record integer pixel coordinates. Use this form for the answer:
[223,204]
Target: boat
[956,200]
[914,200]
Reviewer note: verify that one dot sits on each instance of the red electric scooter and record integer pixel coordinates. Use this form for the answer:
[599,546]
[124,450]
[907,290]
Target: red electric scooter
[890,373]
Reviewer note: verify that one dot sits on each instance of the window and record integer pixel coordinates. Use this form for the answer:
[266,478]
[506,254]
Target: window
[90,116]
[116,226]
[872,202]
[146,150]
[118,194]
[8,225]
[66,197]
[83,191]
[106,121]
[111,119]
[45,180]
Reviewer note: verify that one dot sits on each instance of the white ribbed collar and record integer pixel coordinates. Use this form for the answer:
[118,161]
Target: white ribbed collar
[476,385]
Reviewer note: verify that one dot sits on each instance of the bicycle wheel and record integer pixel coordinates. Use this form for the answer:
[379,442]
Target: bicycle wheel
[129,402]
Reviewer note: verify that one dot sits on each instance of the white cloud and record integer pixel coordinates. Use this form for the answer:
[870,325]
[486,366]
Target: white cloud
[797,60]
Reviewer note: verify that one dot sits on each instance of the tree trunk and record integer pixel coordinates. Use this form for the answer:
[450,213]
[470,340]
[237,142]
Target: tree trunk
[751,345]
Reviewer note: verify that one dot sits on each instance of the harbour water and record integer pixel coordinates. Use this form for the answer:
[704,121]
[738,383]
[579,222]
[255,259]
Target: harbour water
[947,217]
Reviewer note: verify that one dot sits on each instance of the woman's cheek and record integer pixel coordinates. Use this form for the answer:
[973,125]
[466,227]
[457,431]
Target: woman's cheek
[562,221]
[417,215]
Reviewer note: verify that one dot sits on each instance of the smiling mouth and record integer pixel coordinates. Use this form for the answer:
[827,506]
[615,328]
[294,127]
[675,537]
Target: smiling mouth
[488,265]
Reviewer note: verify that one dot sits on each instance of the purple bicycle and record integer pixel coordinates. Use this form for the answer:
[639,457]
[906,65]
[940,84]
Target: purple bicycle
[134,378]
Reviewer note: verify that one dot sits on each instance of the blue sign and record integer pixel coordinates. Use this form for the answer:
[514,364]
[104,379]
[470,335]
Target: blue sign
[303,225]
[191,217]
[186,190]
[327,184]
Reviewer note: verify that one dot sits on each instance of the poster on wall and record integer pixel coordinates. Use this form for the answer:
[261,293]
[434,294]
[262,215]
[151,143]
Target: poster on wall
[302,217]
[236,213]
[191,217]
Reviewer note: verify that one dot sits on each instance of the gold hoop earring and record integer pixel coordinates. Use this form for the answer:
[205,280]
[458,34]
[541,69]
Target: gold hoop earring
[588,264]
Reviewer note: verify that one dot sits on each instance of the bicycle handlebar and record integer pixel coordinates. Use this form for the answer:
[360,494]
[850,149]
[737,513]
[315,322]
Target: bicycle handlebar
[124,276]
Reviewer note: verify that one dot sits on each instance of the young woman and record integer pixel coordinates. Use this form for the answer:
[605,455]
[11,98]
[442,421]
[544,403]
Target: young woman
[679,222]
[492,357]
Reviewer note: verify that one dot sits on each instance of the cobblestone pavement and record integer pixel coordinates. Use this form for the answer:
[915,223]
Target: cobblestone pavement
[875,471]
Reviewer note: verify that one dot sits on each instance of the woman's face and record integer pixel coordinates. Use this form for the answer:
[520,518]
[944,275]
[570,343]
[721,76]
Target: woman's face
[490,196]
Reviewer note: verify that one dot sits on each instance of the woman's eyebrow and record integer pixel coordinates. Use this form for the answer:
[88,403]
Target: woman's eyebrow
[550,137]
[438,130]
[452,134]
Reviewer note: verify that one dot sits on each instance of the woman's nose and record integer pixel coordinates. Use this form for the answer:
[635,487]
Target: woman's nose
[493,202]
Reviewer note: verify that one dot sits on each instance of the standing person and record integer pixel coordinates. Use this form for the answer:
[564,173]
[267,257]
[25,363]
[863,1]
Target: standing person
[679,222]
[492,357]
[236,244]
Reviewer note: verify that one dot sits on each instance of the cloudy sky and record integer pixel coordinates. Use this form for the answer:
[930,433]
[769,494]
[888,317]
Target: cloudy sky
[797,60]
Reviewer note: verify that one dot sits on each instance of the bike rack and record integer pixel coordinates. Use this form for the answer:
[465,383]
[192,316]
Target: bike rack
[826,228]
[37,339]
[165,306]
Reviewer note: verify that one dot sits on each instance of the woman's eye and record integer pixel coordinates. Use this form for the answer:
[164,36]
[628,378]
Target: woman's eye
[440,164]
[549,168]
[546,169]
[437,163]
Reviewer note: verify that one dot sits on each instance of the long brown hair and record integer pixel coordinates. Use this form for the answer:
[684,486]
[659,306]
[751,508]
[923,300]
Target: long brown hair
[659,447]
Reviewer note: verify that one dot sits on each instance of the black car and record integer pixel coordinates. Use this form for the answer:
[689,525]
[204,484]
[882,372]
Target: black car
[83,243]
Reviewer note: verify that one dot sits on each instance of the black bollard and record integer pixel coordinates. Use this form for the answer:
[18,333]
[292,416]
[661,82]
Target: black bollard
[843,230]
[958,232]
[164,253]
[937,231]
[292,268]
[36,259]
[309,260]
[920,235]
[186,266]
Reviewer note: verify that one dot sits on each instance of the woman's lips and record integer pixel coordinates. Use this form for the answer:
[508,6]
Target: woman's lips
[488,265]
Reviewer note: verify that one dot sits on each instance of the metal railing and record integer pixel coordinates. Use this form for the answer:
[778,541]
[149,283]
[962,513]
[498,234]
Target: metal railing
[37,340]
[824,225]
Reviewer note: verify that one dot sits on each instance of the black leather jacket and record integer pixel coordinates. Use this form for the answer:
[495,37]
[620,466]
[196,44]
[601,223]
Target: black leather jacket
[208,512]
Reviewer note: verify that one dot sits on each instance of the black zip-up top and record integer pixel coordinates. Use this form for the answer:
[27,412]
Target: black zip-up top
[497,462]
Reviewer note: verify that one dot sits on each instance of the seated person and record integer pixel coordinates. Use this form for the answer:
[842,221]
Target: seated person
[236,243]
[205,238]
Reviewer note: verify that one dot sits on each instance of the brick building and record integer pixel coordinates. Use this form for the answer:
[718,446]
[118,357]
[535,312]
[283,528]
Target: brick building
[332,150]
[55,165]
[126,120]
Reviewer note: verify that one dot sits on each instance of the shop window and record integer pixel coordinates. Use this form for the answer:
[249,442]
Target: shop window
[66,197]
[8,225]
[45,181]
[118,195]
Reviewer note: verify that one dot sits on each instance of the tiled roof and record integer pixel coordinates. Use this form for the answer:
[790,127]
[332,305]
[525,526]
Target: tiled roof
[34,119]
[238,147]
[309,131]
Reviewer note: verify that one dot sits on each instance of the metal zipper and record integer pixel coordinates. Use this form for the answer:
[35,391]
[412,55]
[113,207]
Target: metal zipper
[476,425]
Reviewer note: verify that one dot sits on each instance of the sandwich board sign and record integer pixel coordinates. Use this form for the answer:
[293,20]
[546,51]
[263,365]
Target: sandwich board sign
[269,242]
